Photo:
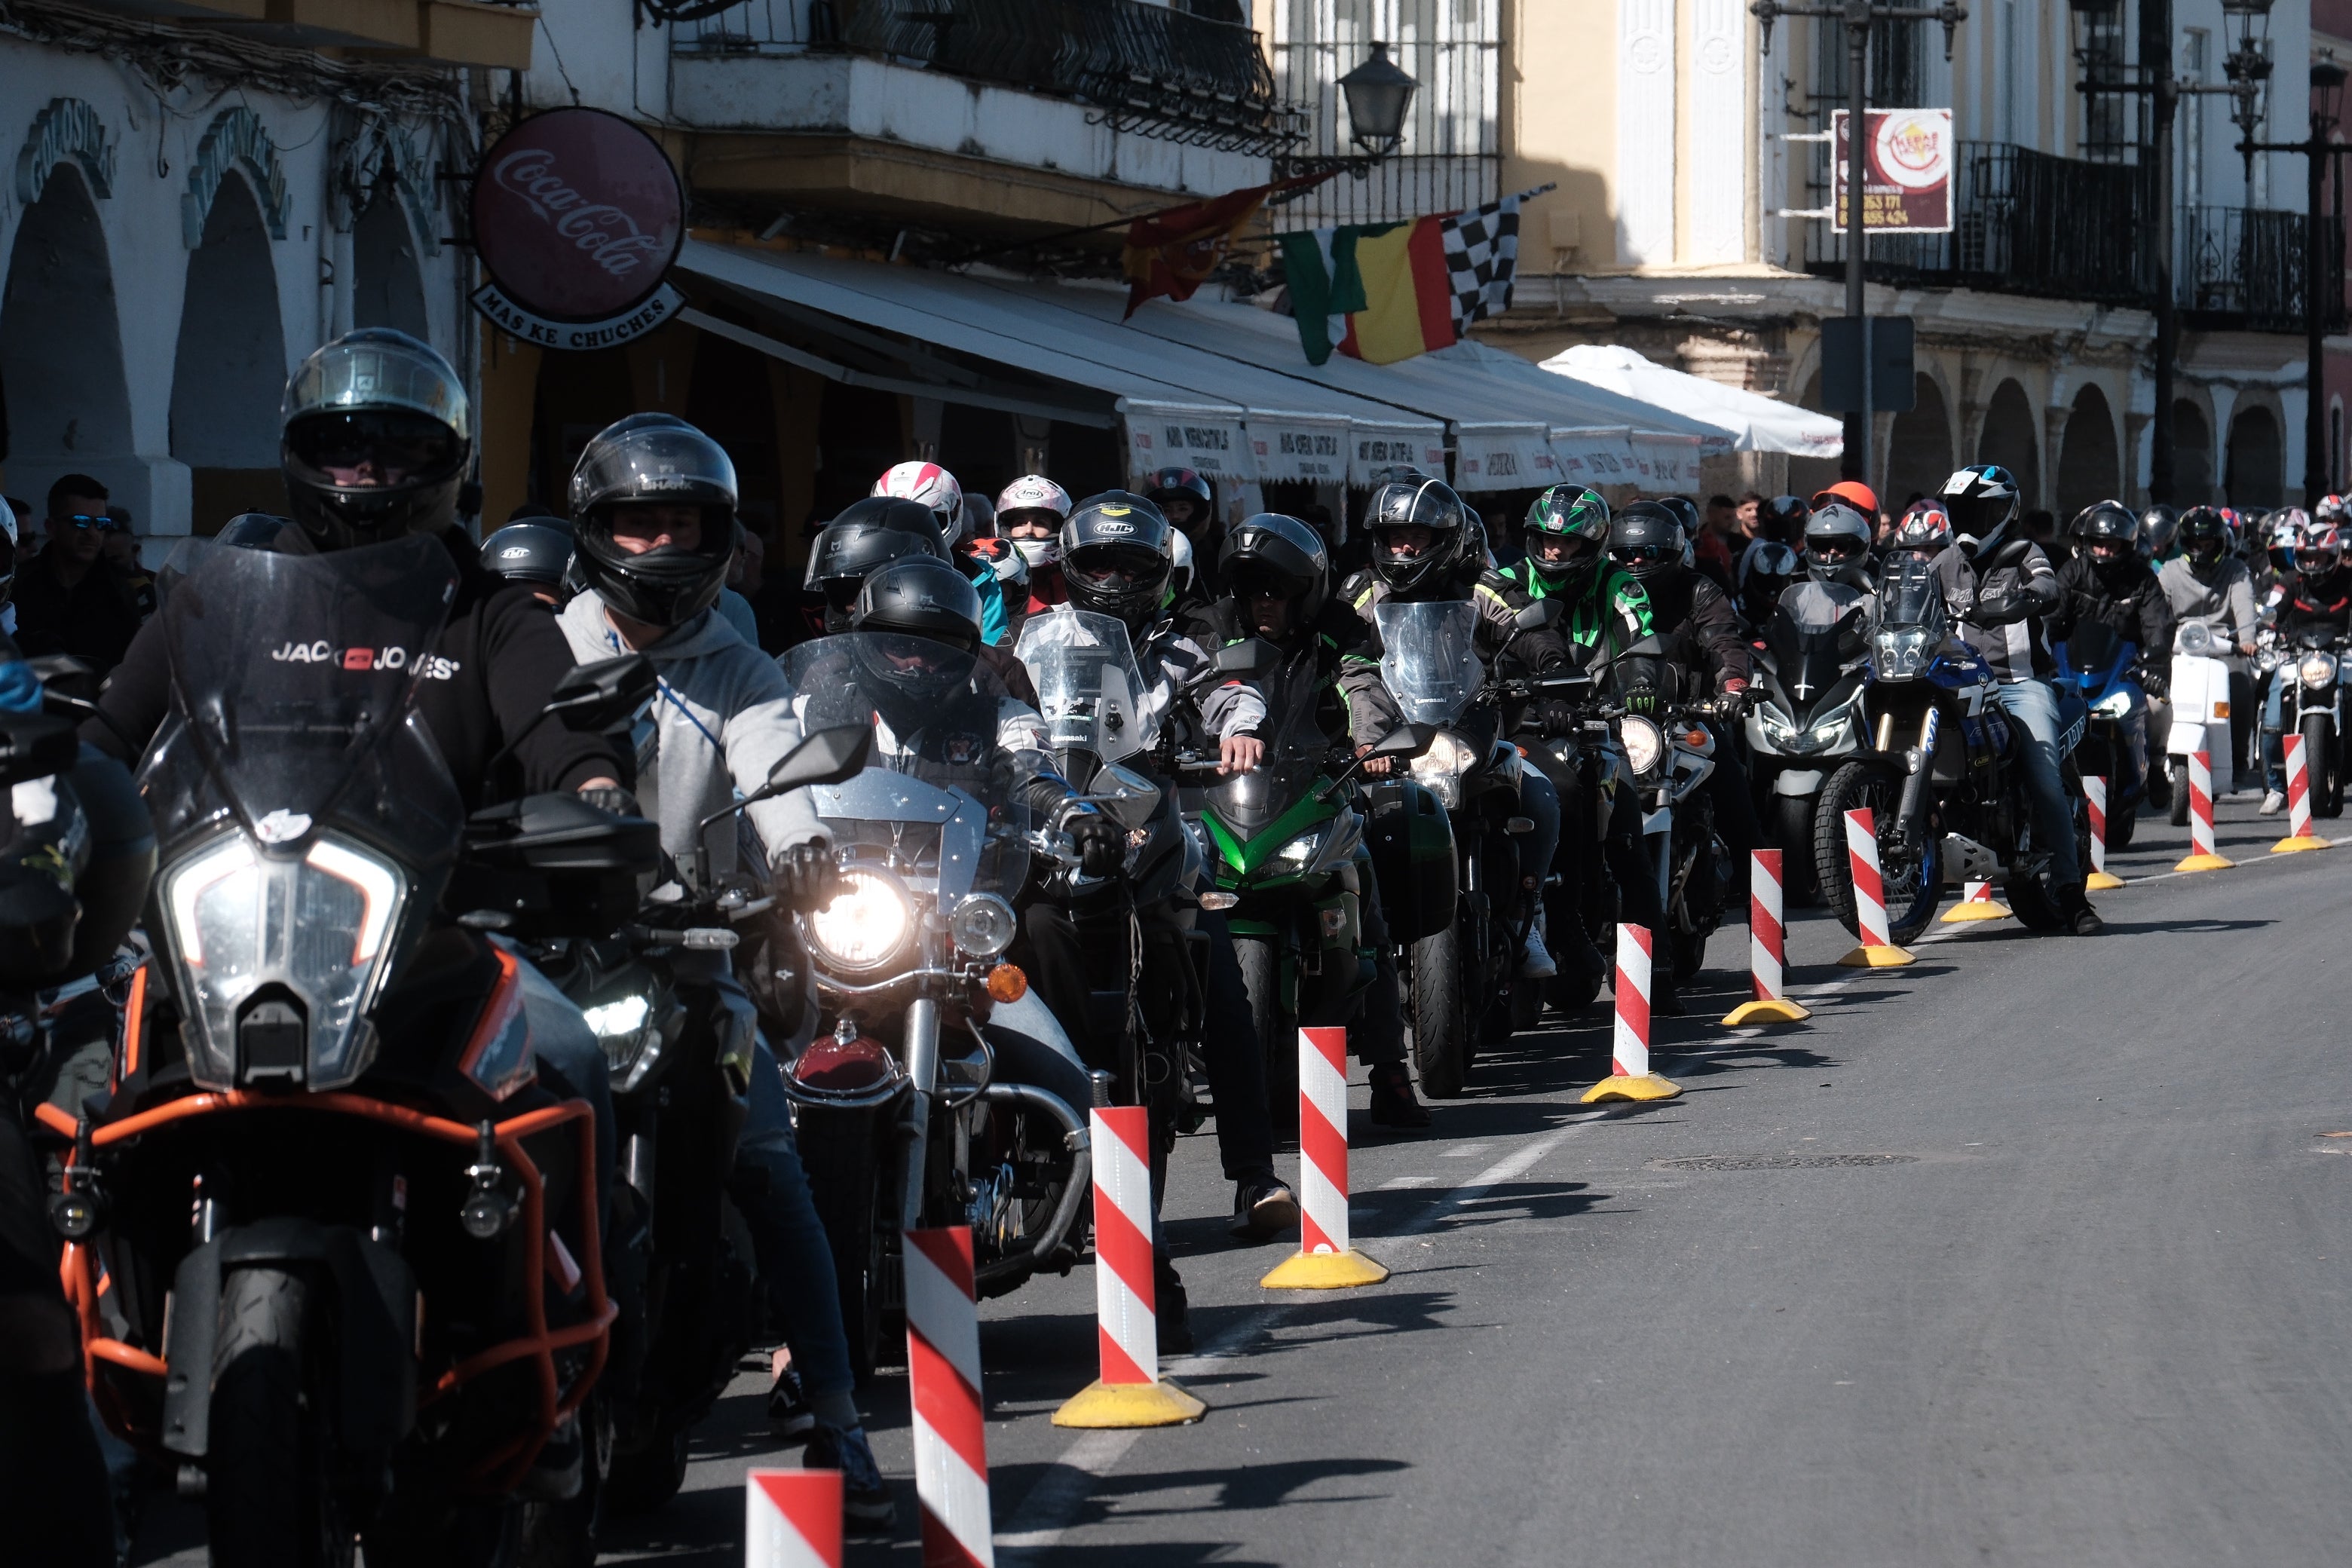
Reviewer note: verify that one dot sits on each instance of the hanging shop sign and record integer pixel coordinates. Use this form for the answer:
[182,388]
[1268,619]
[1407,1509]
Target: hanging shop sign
[1299,446]
[578,215]
[1379,447]
[1503,458]
[1907,171]
[1208,441]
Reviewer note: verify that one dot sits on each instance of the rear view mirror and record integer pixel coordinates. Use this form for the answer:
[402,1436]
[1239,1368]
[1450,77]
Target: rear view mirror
[1406,741]
[827,757]
[35,745]
[1541,615]
[1252,658]
[598,696]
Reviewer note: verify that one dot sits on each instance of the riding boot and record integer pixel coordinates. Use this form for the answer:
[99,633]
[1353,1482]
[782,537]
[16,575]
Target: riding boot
[1393,1104]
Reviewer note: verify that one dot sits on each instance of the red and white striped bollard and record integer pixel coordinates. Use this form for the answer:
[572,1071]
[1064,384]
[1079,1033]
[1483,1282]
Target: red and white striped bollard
[1629,1075]
[2203,854]
[1767,935]
[1325,1260]
[1876,951]
[2094,801]
[1977,903]
[792,1518]
[950,1419]
[2299,836]
[1131,1392]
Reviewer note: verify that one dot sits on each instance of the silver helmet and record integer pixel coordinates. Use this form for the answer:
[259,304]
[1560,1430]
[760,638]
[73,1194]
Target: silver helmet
[375,436]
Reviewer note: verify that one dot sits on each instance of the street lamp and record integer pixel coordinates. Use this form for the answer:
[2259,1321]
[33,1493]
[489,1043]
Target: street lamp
[1378,94]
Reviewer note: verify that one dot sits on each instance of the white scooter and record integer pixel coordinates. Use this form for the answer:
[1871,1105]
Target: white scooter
[2199,702]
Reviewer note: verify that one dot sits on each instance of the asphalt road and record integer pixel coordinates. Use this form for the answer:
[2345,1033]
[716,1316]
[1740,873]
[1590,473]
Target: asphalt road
[2084,1303]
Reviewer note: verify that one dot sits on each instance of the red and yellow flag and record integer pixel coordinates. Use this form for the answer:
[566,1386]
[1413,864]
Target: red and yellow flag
[1171,253]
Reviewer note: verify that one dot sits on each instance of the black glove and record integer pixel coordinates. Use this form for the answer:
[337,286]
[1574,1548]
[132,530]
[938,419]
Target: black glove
[1557,717]
[612,798]
[2152,682]
[805,877]
[1102,847]
[1996,609]
[1642,700]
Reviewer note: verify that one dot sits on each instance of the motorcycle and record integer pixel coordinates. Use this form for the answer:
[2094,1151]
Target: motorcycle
[2312,707]
[1671,754]
[1802,728]
[333,1239]
[1941,777]
[2103,670]
[2198,693]
[938,1088]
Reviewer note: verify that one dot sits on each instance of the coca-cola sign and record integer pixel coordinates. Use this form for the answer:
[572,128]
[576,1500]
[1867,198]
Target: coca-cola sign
[577,216]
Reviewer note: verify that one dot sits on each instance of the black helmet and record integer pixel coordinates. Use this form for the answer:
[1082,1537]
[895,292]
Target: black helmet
[1981,501]
[922,596]
[1115,558]
[1183,484]
[868,535]
[374,438]
[2158,525]
[979,517]
[1646,541]
[2110,530]
[1416,501]
[532,552]
[1685,512]
[654,459]
[2204,535]
[1577,515]
[1281,557]
[1836,536]
[1782,520]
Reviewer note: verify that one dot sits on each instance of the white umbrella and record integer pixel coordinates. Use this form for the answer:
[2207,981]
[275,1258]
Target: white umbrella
[1754,422]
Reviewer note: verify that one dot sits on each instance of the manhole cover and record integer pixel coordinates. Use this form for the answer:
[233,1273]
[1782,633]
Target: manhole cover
[1780,1161]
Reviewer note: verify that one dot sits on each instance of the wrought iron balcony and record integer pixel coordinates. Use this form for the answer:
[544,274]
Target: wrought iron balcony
[1151,69]
[2243,268]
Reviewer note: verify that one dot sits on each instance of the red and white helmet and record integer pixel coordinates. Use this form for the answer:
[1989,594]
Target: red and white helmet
[2333,511]
[2321,551]
[931,485]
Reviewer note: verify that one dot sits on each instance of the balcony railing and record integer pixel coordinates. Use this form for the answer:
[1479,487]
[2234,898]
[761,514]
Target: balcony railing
[1151,69]
[2243,268]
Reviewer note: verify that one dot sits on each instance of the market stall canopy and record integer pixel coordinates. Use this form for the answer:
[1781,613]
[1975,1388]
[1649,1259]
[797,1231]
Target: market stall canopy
[1755,423]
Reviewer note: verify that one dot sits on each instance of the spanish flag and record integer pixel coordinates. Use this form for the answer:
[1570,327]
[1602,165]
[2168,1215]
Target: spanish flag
[1173,252]
[1377,292]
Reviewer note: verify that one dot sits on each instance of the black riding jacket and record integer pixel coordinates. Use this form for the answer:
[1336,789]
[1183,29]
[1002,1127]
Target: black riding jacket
[2131,603]
[1696,619]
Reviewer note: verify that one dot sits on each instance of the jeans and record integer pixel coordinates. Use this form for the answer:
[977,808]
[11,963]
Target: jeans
[795,1258]
[2034,706]
[2273,723]
[1234,1058]
[1540,802]
[1377,1036]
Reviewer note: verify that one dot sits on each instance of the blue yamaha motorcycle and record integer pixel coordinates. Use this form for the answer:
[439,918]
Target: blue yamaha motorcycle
[2102,669]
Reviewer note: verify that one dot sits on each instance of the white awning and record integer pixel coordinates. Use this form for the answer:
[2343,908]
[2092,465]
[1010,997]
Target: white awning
[1753,422]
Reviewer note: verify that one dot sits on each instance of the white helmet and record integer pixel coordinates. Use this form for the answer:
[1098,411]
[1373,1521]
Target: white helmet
[1180,557]
[934,487]
[1033,493]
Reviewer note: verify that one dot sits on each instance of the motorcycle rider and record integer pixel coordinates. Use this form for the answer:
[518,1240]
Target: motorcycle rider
[2206,583]
[938,489]
[1029,512]
[2109,581]
[1999,590]
[653,500]
[1426,549]
[2317,597]
[1188,499]
[1837,553]
[535,555]
[1278,574]
[2158,525]
[868,535]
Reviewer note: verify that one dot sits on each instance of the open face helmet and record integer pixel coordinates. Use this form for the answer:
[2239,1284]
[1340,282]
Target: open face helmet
[1572,520]
[1836,537]
[1272,556]
[1035,501]
[1646,541]
[1982,500]
[654,460]
[1116,560]
[375,438]
[1402,560]
[1926,527]
[935,488]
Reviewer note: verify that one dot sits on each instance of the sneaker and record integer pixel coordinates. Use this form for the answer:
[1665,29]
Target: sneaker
[865,1500]
[1393,1104]
[1263,1209]
[790,1415]
[2274,802]
[1535,954]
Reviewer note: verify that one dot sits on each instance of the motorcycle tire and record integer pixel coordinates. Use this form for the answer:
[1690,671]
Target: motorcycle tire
[1261,965]
[1438,1010]
[1858,785]
[1792,822]
[644,1481]
[2122,822]
[2325,779]
[2179,793]
[837,1151]
[563,1534]
[267,1488]
[2029,900]
[466,1532]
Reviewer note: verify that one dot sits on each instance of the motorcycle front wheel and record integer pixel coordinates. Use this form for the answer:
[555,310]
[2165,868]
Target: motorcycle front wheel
[2324,777]
[1912,885]
[1441,1026]
[837,1151]
[1792,829]
[267,1488]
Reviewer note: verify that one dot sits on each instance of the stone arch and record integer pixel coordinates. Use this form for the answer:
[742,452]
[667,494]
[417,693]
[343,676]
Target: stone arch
[62,383]
[237,140]
[67,129]
[2011,438]
[228,372]
[2192,455]
[387,281]
[1919,447]
[2090,461]
[2256,458]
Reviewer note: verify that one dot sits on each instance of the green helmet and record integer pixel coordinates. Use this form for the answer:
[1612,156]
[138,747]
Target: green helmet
[1570,513]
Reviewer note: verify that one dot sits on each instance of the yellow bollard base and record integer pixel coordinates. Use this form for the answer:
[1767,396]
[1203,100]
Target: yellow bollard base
[1976,910]
[1873,956]
[1642,1086]
[1777,1010]
[1129,1405]
[1324,1271]
[2298,844]
[2205,863]
[2102,882]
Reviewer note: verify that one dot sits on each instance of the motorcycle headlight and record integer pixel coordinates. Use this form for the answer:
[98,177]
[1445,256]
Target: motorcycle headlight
[983,925]
[867,923]
[2195,639]
[1821,737]
[2317,670]
[1439,769]
[618,1020]
[1295,854]
[1645,745]
[2114,705]
[281,958]
[1778,728]
[625,1027]
[1901,653]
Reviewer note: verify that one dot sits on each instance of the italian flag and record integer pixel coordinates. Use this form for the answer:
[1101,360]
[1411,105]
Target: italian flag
[1377,292]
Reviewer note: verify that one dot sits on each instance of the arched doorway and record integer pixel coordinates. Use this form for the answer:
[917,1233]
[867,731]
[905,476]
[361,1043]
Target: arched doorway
[67,405]
[2010,439]
[1919,448]
[2254,478]
[387,286]
[228,374]
[2193,457]
[2090,465]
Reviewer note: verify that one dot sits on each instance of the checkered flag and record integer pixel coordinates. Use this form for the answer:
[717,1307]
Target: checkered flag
[1482,251]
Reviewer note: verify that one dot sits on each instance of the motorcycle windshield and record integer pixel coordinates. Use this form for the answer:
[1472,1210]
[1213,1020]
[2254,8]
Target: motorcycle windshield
[1090,691]
[1429,658]
[2092,645]
[1808,654]
[305,817]
[1910,596]
[942,798]
[1295,753]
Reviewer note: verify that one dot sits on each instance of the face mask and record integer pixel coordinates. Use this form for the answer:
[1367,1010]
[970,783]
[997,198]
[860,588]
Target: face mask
[1038,551]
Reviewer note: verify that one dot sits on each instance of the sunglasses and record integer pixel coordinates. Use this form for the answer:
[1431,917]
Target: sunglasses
[82,520]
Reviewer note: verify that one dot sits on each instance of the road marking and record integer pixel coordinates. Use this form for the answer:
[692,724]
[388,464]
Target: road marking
[1405,1183]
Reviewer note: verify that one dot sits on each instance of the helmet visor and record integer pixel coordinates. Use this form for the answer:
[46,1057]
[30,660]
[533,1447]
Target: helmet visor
[1835,548]
[1115,568]
[372,449]
[1645,554]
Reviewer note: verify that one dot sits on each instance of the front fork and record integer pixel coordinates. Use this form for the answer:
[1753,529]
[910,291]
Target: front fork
[1921,760]
[923,1069]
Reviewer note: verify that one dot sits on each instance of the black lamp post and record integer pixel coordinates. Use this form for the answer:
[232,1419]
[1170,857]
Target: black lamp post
[1379,95]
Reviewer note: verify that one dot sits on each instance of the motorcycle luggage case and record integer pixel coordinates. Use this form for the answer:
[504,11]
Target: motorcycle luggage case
[1412,844]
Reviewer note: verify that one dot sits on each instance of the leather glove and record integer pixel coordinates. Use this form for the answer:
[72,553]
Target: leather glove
[2152,682]
[619,802]
[1644,701]
[1556,717]
[1996,610]
[1102,847]
[805,877]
